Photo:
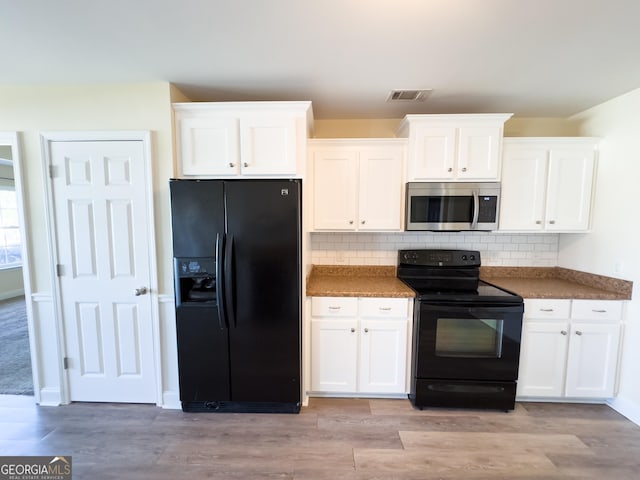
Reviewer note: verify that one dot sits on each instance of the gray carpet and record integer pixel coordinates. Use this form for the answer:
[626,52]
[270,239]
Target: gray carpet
[15,362]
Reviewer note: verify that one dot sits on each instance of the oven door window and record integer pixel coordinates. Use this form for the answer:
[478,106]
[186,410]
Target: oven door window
[469,338]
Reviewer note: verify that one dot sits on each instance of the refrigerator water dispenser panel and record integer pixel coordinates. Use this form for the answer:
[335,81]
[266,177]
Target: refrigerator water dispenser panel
[195,280]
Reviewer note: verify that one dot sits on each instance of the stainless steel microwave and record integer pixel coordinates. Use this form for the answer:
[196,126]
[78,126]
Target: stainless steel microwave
[452,206]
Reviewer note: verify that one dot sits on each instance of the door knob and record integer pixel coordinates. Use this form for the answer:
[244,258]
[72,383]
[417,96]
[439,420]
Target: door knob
[141,291]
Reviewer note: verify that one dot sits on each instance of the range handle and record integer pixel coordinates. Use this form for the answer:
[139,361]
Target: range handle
[222,314]
[229,283]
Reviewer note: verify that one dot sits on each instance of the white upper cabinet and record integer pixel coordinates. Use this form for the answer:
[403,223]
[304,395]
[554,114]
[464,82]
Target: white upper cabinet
[247,139]
[357,184]
[453,147]
[547,184]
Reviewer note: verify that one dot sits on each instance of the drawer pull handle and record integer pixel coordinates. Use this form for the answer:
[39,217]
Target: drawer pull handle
[334,308]
[578,332]
[546,309]
[563,332]
[353,330]
[385,309]
[598,311]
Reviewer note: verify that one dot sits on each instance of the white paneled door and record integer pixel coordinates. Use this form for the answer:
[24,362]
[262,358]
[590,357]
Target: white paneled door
[102,237]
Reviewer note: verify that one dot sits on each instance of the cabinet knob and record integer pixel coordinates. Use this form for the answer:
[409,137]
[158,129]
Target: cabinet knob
[563,332]
[366,330]
[538,222]
[350,222]
[353,330]
[464,169]
[245,164]
[552,222]
[231,164]
[362,222]
[449,169]
[578,332]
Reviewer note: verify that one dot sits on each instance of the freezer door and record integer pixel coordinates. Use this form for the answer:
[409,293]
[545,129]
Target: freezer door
[203,355]
[263,238]
[197,216]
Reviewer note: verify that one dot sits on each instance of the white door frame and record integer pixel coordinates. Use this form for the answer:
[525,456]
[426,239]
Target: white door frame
[12,139]
[145,137]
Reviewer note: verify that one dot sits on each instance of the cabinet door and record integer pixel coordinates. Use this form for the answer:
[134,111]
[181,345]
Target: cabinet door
[433,153]
[524,177]
[592,360]
[543,357]
[268,145]
[570,182]
[382,366]
[380,200]
[334,349]
[478,153]
[208,146]
[335,189]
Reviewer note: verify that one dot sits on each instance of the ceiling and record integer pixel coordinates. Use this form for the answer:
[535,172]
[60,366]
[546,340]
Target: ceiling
[537,58]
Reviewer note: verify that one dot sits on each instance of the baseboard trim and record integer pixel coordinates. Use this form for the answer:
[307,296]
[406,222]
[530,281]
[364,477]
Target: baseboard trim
[626,407]
[171,400]
[11,294]
[50,397]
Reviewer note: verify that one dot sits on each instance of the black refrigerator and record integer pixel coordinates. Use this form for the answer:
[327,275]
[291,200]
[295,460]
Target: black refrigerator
[237,270]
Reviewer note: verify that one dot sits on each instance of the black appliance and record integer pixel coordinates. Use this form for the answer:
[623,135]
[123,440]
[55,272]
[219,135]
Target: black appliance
[237,270]
[466,332]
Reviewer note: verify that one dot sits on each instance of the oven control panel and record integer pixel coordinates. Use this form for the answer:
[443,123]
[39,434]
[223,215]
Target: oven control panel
[440,258]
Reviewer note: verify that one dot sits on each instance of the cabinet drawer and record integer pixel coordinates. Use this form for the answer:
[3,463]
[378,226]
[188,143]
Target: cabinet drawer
[596,310]
[547,308]
[334,306]
[384,308]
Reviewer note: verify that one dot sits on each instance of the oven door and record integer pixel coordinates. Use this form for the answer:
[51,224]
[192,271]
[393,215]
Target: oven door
[472,342]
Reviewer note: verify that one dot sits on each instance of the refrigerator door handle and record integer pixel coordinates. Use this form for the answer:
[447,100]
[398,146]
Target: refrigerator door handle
[222,317]
[229,281]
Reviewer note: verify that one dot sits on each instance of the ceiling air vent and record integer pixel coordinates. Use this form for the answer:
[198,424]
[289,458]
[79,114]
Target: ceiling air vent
[408,95]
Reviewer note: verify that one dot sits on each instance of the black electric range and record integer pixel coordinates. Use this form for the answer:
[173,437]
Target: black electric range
[466,332]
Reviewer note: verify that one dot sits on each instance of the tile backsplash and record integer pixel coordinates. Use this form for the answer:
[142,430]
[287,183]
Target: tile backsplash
[496,249]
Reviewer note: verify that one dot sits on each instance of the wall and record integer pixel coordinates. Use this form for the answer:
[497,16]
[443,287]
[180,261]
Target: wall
[612,246]
[35,109]
[496,249]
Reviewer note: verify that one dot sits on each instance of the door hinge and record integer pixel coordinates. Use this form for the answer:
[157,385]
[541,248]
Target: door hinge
[65,363]
[52,171]
[59,270]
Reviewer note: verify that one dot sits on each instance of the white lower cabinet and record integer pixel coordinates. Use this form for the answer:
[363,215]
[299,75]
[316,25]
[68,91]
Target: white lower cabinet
[569,348]
[359,345]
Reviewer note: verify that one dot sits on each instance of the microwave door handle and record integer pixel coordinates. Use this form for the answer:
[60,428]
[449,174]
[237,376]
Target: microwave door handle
[476,210]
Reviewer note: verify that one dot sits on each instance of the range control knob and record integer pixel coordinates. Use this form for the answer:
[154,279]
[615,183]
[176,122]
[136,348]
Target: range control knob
[472,257]
[464,257]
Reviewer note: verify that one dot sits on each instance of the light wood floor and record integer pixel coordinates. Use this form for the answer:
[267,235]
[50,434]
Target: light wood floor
[337,439]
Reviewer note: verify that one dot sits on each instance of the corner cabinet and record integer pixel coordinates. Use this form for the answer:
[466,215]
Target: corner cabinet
[246,139]
[357,184]
[359,345]
[547,184]
[570,349]
[453,147]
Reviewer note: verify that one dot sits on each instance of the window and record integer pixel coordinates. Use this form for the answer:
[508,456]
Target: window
[10,241]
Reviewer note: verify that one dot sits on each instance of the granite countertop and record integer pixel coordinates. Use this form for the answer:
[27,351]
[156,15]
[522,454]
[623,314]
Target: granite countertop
[557,282]
[528,282]
[356,281]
